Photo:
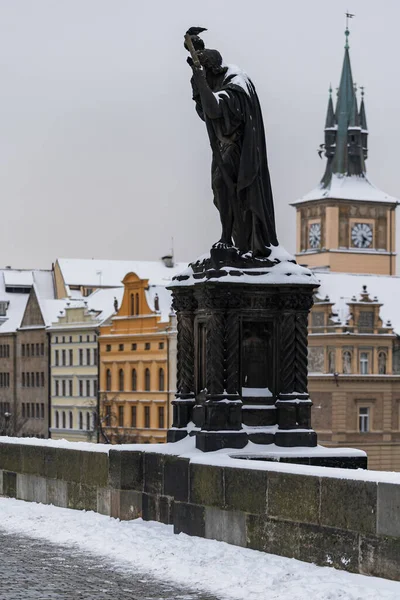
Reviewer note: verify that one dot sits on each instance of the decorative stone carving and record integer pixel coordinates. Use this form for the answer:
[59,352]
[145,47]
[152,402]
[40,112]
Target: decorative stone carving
[316,363]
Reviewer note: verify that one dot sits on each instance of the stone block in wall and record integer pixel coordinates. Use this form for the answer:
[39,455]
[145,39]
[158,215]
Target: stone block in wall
[125,470]
[9,484]
[276,537]
[94,468]
[176,478]
[31,488]
[153,473]
[81,496]
[130,505]
[150,509]
[50,462]
[69,465]
[326,546]
[380,556]
[388,522]
[32,459]
[57,492]
[225,526]
[349,504]
[206,485]
[246,490]
[166,510]
[293,497]
[104,501]
[189,518]
[10,457]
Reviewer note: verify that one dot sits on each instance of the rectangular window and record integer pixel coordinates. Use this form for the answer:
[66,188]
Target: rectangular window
[27,350]
[37,350]
[32,349]
[70,387]
[37,411]
[23,410]
[133,416]
[95,356]
[80,338]
[56,358]
[57,387]
[32,379]
[147,417]
[23,350]
[95,387]
[108,348]
[37,379]
[80,356]
[42,378]
[88,388]
[120,347]
[88,356]
[42,349]
[28,410]
[88,338]
[161,346]
[363,419]
[81,387]
[120,416]
[42,411]
[161,417]
[63,387]
[70,339]
[64,357]
[23,379]
[71,357]
[134,346]
[56,339]
[364,363]
[63,339]
[147,346]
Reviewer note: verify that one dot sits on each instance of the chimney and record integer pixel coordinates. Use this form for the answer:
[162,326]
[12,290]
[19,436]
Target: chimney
[168,260]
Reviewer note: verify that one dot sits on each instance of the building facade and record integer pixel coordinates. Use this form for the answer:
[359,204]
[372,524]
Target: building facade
[346,233]
[135,367]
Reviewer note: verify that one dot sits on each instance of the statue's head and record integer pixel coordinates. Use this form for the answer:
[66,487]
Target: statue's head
[212,60]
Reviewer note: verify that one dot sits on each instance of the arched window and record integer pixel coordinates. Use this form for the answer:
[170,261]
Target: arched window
[161,380]
[137,304]
[346,358]
[57,420]
[382,363]
[134,380]
[121,380]
[71,420]
[88,421]
[64,423]
[132,306]
[108,380]
[80,420]
[147,380]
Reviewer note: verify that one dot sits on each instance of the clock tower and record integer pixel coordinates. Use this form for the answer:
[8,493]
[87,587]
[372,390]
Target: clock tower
[346,224]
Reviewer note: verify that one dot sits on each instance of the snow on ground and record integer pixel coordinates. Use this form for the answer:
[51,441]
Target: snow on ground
[226,571]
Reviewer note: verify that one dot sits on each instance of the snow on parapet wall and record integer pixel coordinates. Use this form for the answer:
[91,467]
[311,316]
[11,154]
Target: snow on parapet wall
[346,187]
[285,271]
[342,287]
[226,457]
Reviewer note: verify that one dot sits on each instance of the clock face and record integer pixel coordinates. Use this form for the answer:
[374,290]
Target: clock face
[361,235]
[314,235]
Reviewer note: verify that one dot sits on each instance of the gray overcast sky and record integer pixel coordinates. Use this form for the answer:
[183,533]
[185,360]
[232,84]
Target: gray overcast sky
[101,152]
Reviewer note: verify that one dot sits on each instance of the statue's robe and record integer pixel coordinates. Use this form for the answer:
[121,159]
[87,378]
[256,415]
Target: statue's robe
[239,131]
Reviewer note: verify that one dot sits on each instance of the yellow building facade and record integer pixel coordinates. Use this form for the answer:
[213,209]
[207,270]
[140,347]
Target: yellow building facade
[135,365]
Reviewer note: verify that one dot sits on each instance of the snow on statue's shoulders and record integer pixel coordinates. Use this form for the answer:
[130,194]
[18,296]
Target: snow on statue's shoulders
[237,77]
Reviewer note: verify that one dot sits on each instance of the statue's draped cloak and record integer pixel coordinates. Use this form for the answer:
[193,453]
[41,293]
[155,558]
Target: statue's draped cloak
[241,123]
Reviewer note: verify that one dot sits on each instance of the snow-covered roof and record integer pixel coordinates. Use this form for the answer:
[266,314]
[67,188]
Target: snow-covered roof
[110,273]
[43,281]
[101,302]
[342,287]
[348,188]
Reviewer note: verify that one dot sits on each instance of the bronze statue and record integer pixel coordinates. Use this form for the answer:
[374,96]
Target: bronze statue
[227,101]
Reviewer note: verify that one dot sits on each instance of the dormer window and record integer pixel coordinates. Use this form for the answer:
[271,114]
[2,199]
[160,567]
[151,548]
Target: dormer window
[3,308]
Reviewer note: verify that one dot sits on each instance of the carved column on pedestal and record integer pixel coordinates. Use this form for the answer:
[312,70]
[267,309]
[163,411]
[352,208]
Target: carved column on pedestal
[184,305]
[293,403]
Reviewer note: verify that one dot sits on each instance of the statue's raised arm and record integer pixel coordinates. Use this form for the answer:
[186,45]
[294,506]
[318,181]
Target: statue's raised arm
[226,100]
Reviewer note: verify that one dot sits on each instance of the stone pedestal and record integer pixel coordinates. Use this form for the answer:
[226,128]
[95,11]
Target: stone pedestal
[242,358]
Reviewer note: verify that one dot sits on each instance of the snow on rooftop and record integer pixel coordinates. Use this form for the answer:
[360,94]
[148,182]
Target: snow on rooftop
[341,287]
[352,187]
[110,273]
[43,281]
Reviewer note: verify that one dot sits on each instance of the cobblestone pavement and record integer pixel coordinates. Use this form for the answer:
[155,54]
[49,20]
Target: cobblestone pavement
[36,570]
